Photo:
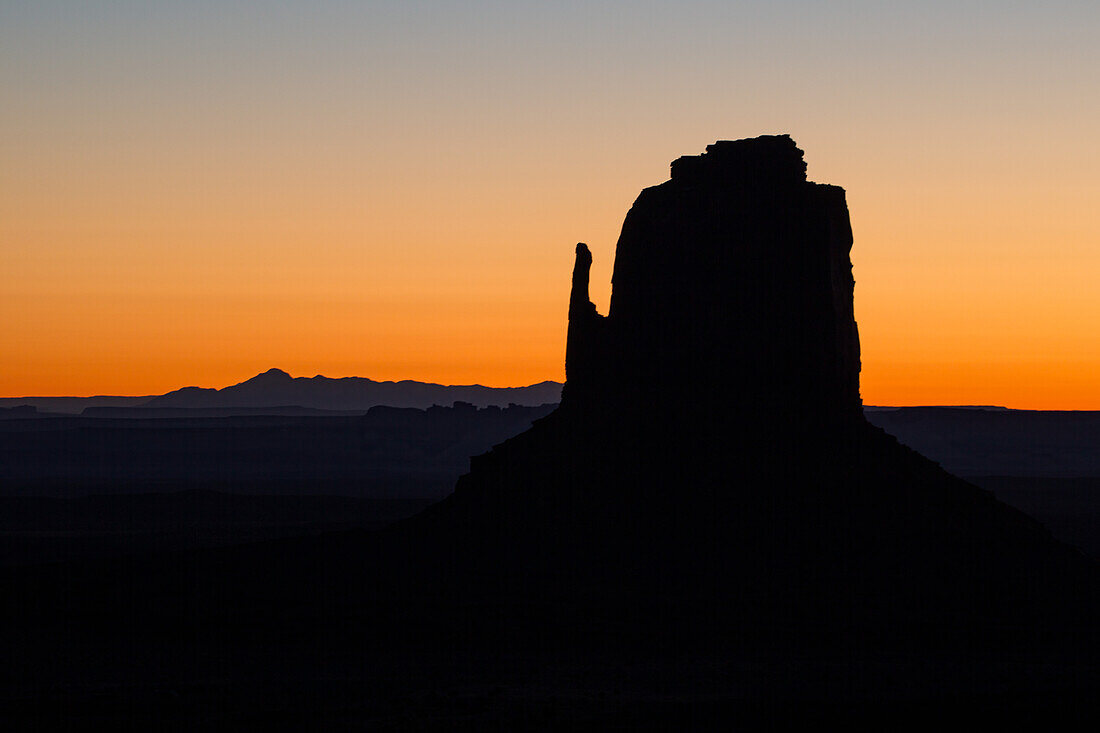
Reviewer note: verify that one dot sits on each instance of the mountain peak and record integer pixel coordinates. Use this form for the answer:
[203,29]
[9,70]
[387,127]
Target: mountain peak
[272,375]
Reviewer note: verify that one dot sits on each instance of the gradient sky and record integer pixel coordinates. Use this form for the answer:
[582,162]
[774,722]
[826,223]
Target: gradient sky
[193,192]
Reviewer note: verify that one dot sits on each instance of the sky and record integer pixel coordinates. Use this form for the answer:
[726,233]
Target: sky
[194,192]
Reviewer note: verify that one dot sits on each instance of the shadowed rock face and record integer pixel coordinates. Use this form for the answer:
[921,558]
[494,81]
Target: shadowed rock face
[732,289]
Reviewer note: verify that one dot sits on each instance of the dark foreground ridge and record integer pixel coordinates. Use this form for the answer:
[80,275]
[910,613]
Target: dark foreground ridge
[707,523]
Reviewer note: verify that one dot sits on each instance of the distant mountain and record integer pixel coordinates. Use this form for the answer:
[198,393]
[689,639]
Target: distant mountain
[277,389]
[20,412]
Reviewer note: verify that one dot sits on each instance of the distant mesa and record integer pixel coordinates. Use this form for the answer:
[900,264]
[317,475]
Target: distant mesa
[18,412]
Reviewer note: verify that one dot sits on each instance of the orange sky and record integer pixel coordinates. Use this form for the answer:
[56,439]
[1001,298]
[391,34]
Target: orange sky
[194,208]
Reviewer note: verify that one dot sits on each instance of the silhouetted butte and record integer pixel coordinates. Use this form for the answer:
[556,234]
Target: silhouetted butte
[710,468]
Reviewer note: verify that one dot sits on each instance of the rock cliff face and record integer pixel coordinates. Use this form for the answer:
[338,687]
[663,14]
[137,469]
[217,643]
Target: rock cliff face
[732,290]
[710,466]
